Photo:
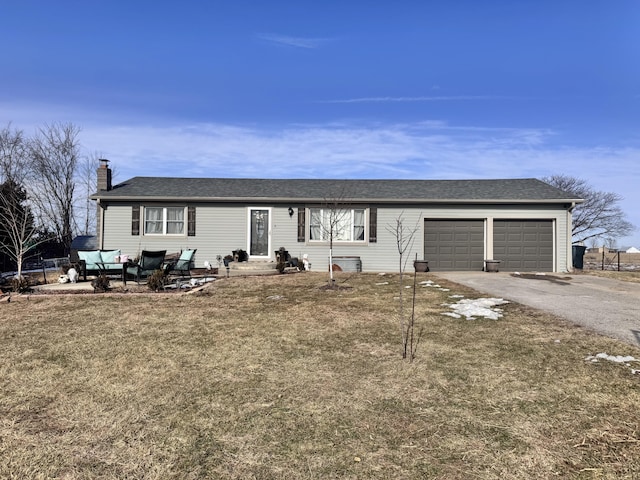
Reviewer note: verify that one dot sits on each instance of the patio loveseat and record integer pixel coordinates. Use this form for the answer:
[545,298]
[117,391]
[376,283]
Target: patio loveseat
[100,261]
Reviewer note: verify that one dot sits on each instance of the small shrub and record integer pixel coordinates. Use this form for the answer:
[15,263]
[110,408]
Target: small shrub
[157,280]
[100,284]
[20,285]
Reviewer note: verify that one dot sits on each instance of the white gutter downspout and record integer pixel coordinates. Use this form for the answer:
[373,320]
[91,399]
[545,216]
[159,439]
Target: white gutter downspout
[100,225]
[570,237]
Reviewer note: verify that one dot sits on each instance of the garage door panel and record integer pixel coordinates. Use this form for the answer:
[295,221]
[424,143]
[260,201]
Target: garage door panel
[523,245]
[454,244]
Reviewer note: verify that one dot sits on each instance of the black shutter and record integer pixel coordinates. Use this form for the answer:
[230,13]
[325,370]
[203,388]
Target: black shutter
[135,220]
[301,226]
[191,221]
[373,225]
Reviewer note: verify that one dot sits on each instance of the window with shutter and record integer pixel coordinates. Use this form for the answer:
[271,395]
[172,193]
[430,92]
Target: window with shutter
[177,221]
[343,225]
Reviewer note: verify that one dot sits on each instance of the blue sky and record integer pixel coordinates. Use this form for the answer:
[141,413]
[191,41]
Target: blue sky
[336,89]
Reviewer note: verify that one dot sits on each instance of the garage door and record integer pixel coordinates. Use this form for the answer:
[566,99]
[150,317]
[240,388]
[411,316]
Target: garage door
[454,244]
[523,245]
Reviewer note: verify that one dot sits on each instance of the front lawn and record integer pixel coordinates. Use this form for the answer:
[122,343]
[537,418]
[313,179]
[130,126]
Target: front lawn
[278,378]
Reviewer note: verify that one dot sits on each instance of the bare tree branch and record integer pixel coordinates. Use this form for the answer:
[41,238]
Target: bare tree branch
[600,216]
[54,156]
[85,208]
[329,221]
[405,237]
[19,232]
[13,166]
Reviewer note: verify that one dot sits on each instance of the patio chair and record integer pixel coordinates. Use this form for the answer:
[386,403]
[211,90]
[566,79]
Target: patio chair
[149,262]
[184,263]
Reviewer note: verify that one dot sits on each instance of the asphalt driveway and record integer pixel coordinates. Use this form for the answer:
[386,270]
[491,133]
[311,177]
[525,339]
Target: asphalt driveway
[610,307]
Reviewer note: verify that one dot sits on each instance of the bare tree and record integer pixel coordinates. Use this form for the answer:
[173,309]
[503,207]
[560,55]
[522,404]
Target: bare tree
[334,221]
[12,172]
[600,216]
[54,155]
[12,155]
[87,183]
[19,234]
[405,237]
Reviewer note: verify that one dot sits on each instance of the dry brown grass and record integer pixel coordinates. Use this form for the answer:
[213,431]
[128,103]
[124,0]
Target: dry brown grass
[627,276]
[274,377]
[621,266]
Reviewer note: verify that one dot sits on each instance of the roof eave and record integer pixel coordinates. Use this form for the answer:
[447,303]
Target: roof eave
[164,198]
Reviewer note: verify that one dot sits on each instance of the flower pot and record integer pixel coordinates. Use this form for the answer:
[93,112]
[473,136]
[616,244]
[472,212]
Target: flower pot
[421,265]
[491,265]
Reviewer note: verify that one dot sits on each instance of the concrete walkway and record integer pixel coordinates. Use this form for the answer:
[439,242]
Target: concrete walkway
[115,283]
[610,307]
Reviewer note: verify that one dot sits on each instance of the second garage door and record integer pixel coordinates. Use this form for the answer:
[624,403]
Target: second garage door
[454,244]
[523,245]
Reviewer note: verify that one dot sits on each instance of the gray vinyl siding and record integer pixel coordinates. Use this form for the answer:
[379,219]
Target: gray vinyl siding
[219,230]
[223,227]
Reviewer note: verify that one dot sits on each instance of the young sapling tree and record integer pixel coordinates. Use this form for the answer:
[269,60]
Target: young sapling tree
[405,239]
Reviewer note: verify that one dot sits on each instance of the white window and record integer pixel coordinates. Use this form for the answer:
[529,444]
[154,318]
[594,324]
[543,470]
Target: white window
[164,221]
[346,225]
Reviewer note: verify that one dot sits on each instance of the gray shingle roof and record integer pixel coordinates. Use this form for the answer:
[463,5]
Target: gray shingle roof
[406,191]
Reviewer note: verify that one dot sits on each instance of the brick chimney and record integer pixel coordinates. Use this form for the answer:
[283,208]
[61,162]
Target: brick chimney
[104,175]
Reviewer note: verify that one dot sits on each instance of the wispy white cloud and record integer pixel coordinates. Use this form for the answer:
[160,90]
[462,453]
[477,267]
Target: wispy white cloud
[362,151]
[430,150]
[419,150]
[432,98]
[298,42]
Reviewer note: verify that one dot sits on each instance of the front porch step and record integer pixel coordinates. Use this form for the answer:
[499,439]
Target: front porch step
[252,265]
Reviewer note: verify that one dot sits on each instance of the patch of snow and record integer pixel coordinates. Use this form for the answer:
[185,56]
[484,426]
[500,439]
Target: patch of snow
[611,358]
[275,297]
[480,307]
[382,283]
[625,360]
[456,296]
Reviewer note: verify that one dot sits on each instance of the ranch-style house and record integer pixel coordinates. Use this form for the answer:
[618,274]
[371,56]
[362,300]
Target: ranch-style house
[459,224]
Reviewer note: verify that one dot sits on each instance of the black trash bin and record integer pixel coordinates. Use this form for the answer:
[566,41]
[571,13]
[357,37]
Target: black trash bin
[578,256]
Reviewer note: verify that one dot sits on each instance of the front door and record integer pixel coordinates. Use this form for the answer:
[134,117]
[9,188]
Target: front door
[259,232]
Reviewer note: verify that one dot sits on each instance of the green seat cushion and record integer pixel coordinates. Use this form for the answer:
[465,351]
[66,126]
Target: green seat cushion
[90,257]
[186,255]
